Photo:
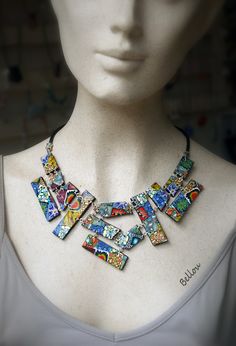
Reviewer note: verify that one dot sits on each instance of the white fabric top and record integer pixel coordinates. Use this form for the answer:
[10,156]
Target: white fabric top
[204,316]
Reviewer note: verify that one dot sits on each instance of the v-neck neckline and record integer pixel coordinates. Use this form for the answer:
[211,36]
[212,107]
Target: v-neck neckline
[115,336]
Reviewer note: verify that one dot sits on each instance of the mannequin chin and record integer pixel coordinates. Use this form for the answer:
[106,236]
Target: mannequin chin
[161,32]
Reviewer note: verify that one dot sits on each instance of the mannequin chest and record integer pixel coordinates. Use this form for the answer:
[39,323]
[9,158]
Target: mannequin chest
[88,284]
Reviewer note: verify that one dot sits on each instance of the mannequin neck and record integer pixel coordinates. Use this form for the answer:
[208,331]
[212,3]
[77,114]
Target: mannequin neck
[120,142]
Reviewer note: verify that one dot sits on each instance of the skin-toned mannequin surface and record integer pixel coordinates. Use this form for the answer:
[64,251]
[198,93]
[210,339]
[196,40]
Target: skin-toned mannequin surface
[117,142]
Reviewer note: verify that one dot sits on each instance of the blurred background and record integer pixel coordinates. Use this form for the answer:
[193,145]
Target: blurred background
[38,92]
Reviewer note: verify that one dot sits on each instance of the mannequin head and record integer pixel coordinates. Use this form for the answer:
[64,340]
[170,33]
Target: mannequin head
[159,32]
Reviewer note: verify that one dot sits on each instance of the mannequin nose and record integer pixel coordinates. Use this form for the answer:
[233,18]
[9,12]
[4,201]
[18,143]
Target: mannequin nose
[127,19]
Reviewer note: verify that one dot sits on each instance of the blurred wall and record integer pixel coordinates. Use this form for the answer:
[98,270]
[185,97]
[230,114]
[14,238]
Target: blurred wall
[37,90]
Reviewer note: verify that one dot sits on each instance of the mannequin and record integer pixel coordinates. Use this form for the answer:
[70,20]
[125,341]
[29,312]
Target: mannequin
[117,142]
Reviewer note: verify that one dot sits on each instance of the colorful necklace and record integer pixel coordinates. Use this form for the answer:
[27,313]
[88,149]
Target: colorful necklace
[68,195]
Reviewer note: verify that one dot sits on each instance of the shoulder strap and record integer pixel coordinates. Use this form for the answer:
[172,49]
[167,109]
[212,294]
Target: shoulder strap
[2,205]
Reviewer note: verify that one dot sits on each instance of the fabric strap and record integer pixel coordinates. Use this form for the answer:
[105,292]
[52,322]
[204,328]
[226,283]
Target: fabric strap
[2,206]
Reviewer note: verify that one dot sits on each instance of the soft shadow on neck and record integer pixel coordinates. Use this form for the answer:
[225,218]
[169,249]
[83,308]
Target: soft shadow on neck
[120,142]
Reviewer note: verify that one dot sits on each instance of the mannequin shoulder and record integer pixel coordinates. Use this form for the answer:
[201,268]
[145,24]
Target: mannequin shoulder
[210,161]
[215,172]
[24,164]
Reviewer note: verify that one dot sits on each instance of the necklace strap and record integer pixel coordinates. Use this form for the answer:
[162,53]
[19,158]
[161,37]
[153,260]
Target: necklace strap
[49,145]
[187,150]
[54,133]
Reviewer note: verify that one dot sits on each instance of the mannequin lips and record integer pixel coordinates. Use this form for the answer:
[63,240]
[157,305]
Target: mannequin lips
[123,55]
[120,61]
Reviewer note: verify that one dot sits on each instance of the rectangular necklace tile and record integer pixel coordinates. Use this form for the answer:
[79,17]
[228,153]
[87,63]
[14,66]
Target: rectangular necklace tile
[183,200]
[149,219]
[173,185]
[76,209]
[65,194]
[159,196]
[130,239]
[112,209]
[55,180]
[175,181]
[53,172]
[46,200]
[105,252]
[49,163]
[184,167]
[99,226]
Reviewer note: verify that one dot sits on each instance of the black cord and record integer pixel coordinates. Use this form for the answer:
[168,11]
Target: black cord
[179,128]
[54,133]
[187,139]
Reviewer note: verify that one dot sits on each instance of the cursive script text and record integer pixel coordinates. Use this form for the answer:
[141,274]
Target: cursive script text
[189,274]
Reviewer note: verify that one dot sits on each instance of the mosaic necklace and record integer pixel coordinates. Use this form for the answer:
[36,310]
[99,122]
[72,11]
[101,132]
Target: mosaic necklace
[67,195]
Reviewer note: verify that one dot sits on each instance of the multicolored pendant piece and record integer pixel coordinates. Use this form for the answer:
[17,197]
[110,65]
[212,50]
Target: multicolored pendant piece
[76,209]
[159,196]
[46,200]
[184,167]
[184,199]
[113,209]
[65,194]
[49,163]
[105,252]
[173,185]
[53,172]
[149,219]
[99,226]
[182,170]
[130,239]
